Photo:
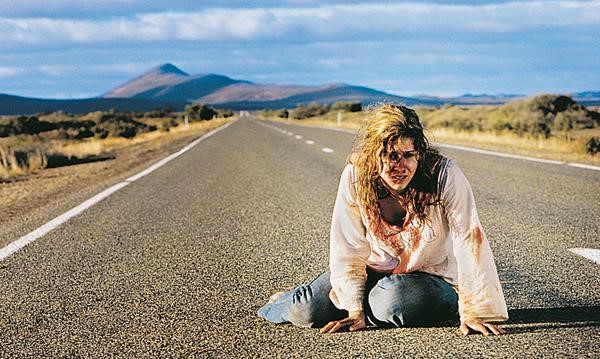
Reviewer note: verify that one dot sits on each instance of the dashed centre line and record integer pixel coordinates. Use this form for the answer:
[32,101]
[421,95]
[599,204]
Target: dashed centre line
[588,253]
[308,142]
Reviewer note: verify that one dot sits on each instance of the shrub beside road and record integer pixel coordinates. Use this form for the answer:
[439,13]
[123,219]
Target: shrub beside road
[547,126]
[29,144]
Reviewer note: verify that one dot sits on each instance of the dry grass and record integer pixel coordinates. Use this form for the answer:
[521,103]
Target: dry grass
[569,148]
[9,167]
[560,148]
[21,197]
[37,151]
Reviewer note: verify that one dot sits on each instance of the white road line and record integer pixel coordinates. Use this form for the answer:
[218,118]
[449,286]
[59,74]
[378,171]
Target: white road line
[15,246]
[588,253]
[290,133]
[581,165]
[499,154]
[476,150]
[40,231]
[310,142]
[298,137]
[345,130]
[326,150]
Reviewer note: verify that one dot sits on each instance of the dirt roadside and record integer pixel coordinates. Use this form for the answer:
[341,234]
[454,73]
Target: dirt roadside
[21,198]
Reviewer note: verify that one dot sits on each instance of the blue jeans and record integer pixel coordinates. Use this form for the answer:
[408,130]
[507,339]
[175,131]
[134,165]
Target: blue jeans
[396,300]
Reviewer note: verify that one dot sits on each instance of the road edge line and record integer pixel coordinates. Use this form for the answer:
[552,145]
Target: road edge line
[498,154]
[42,230]
[586,166]
[469,149]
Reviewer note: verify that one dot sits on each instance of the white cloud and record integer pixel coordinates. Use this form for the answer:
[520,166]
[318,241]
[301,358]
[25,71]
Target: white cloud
[305,24]
[335,63]
[419,47]
[9,71]
[74,70]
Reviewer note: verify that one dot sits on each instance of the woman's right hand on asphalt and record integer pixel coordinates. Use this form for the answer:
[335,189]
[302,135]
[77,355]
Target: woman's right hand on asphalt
[355,321]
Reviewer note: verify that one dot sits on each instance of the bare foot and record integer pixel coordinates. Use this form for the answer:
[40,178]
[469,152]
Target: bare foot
[274,297]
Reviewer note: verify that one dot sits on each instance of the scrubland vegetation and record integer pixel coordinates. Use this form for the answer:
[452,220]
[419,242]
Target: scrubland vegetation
[550,126]
[313,109]
[31,143]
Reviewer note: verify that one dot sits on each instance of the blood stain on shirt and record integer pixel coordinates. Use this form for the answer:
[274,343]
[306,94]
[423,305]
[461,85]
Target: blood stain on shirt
[477,241]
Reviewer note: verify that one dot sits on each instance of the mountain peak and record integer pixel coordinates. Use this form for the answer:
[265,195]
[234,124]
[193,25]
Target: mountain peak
[163,75]
[167,68]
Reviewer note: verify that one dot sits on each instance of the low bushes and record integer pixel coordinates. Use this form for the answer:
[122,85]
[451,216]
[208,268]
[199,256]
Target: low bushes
[311,110]
[200,112]
[31,143]
[282,113]
[593,145]
[347,106]
[538,116]
[101,125]
[314,109]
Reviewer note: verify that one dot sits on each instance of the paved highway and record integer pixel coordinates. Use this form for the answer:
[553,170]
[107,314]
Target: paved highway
[178,262]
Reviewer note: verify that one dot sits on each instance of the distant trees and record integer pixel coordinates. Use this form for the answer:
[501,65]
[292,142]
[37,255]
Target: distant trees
[347,106]
[311,110]
[224,113]
[281,113]
[199,111]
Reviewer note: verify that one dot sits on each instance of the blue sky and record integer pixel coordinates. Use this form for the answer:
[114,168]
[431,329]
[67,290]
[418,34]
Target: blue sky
[68,49]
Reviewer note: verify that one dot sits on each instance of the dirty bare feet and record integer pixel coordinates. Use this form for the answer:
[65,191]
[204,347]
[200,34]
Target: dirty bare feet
[274,297]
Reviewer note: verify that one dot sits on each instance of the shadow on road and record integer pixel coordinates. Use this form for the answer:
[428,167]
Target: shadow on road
[553,318]
[527,320]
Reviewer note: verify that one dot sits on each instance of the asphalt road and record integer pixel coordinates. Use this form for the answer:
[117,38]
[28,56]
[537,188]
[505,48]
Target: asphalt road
[178,262]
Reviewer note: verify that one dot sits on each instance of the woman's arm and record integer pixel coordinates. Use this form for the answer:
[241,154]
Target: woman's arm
[480,297]
[348,252]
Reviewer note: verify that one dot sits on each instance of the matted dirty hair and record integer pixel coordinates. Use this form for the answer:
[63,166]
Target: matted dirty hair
[382,126]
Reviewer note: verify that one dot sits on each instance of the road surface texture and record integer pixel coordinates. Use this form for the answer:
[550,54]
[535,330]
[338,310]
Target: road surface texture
[178,262]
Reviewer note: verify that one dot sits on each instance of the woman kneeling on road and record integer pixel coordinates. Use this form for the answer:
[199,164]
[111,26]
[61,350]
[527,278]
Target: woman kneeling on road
[406,244]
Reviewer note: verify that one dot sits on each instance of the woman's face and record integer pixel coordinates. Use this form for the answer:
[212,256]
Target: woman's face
[399,164]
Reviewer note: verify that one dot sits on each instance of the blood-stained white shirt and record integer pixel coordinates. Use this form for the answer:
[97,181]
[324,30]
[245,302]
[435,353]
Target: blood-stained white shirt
[451,245]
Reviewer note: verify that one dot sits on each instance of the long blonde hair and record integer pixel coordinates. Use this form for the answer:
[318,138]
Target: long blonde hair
[381,127]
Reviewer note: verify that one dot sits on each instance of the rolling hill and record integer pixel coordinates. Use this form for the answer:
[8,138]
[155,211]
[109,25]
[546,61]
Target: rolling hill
[17,105]
[167,82]
[168,86]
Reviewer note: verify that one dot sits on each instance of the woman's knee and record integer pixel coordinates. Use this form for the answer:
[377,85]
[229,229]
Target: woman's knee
[310,309]
[387,301]
[411,299]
